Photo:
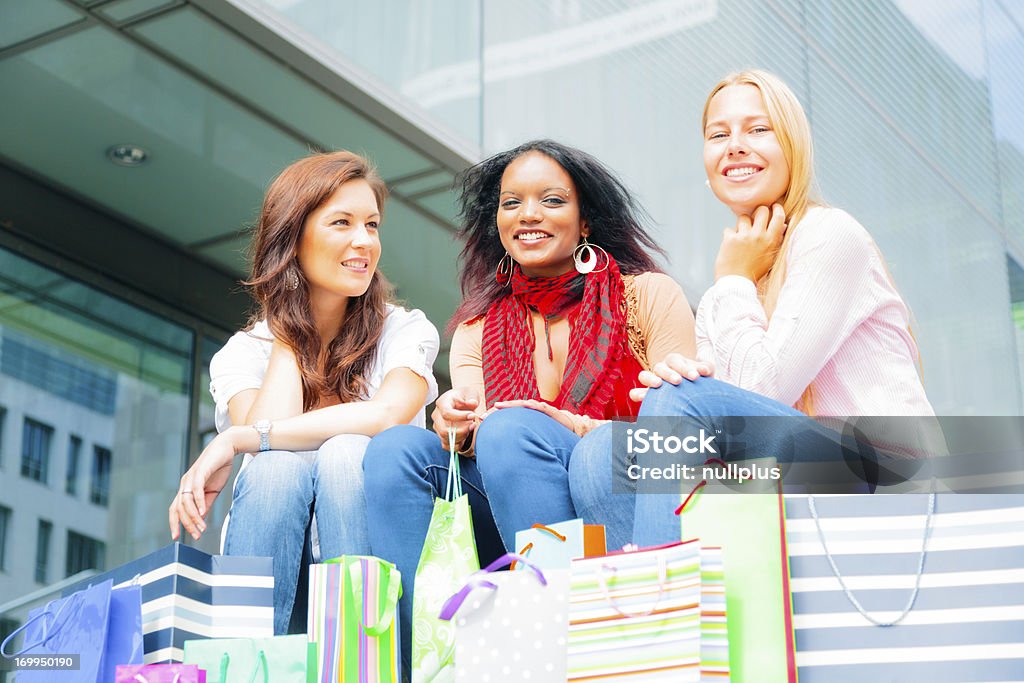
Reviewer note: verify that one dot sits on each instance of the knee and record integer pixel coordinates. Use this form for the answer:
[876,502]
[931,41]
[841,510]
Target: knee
[389,454]
[689,398]
[275,481]
[504,428]
[342,456]
[275,471]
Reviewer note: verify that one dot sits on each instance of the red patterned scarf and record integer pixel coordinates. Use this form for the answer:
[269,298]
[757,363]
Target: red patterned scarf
[597,340]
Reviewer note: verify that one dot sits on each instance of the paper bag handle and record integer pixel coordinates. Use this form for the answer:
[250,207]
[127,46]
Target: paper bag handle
[662,580]
[454,476]
[46,636]
[261,661]
[177,676]
[393,590]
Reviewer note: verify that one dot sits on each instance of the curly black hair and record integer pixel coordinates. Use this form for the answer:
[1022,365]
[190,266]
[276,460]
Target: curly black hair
[616,221]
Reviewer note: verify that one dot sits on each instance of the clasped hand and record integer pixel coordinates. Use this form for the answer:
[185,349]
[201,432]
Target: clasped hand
[749,248]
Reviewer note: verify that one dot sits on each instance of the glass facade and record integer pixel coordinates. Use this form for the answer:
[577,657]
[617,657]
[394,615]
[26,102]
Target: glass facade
[915,105]
[103,391]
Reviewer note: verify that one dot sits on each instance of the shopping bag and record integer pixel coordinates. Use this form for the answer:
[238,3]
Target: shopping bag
[634,615]
[159,673]
[714,630]
[281,659]
[964,622]
[747,521]
[448,558]
[353,620]
[510,626]
[101,625]
[554,546]
[188,594]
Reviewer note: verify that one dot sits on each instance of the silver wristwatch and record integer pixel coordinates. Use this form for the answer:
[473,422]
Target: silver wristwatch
[262,427]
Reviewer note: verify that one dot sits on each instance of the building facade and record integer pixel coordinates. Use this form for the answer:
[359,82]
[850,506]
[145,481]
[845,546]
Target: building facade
[118,282]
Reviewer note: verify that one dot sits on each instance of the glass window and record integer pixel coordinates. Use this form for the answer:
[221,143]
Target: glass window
[35,449]
[74,453]
[85,364]
[43,549]
[3,420]
[84,553]
[99,491]
[5,518]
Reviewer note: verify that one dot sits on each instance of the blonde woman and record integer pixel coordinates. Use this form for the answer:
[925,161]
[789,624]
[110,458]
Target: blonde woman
[803,317]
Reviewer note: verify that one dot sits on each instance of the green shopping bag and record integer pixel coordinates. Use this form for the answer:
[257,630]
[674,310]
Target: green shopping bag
[282,659]
[353,619]
[748,522]
[448,558]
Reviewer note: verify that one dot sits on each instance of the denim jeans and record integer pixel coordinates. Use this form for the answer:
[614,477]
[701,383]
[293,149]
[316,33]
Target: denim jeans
[707,403]
[275,496]
[522,474]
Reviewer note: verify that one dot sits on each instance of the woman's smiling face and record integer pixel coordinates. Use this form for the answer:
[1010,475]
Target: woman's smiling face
[539,215]
[744,162]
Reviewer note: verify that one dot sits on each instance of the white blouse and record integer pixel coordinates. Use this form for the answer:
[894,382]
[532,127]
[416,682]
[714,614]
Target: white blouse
[838,322]
[409,340]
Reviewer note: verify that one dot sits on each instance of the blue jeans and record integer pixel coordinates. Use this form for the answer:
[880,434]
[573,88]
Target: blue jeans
[522,474]
[707,403]
[275,496]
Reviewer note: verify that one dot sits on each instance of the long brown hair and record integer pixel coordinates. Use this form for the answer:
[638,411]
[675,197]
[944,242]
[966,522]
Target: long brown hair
[340,369]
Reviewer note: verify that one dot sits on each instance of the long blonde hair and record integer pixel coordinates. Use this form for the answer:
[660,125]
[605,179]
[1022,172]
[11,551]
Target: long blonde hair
[792,130]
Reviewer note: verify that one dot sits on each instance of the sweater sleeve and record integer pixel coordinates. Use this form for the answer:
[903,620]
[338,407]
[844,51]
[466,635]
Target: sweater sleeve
[466,357]
[825,296]
[664,318]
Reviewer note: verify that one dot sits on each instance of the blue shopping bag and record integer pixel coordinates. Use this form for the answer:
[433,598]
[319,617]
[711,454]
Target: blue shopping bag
[101,625]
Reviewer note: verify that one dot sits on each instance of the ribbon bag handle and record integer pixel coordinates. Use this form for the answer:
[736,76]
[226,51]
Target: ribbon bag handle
[454,476]
[46,636]
[225,659]
[177,677]
[524,551]
[479,580]
[393,591]
[662,580]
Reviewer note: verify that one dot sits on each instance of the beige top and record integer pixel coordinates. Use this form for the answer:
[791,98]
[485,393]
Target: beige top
[659,319]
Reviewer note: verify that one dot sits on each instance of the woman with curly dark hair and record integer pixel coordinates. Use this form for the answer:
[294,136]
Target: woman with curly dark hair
[326,363]
[563,307]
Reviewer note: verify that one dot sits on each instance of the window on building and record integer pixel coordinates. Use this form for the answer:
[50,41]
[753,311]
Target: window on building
[84,553]
[3,419]
[35,449]
[5,519]
[99,491]
[74,453]
[43,550]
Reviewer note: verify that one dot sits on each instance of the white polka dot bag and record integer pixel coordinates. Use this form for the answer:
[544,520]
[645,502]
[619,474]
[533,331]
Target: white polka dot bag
[511,626]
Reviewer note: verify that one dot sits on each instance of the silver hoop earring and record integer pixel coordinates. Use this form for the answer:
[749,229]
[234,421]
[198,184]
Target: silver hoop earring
[291,279]
[586,258]
[503,274]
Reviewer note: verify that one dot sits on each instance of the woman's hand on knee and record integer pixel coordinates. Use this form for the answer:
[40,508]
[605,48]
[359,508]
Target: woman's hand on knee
[673,370]
[456,408]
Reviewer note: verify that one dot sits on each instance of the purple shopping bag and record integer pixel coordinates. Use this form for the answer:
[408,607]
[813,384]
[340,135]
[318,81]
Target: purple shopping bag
[101,625]
[160,673]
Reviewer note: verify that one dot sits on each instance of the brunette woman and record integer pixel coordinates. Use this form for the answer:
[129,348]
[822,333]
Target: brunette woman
[326,363]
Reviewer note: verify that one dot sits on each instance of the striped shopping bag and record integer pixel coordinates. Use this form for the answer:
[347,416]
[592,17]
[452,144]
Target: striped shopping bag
[861,561]
[714,631]
[188,594]
[353,620]
[636,615]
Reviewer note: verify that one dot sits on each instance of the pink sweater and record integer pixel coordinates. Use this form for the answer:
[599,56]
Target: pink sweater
[839,322]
